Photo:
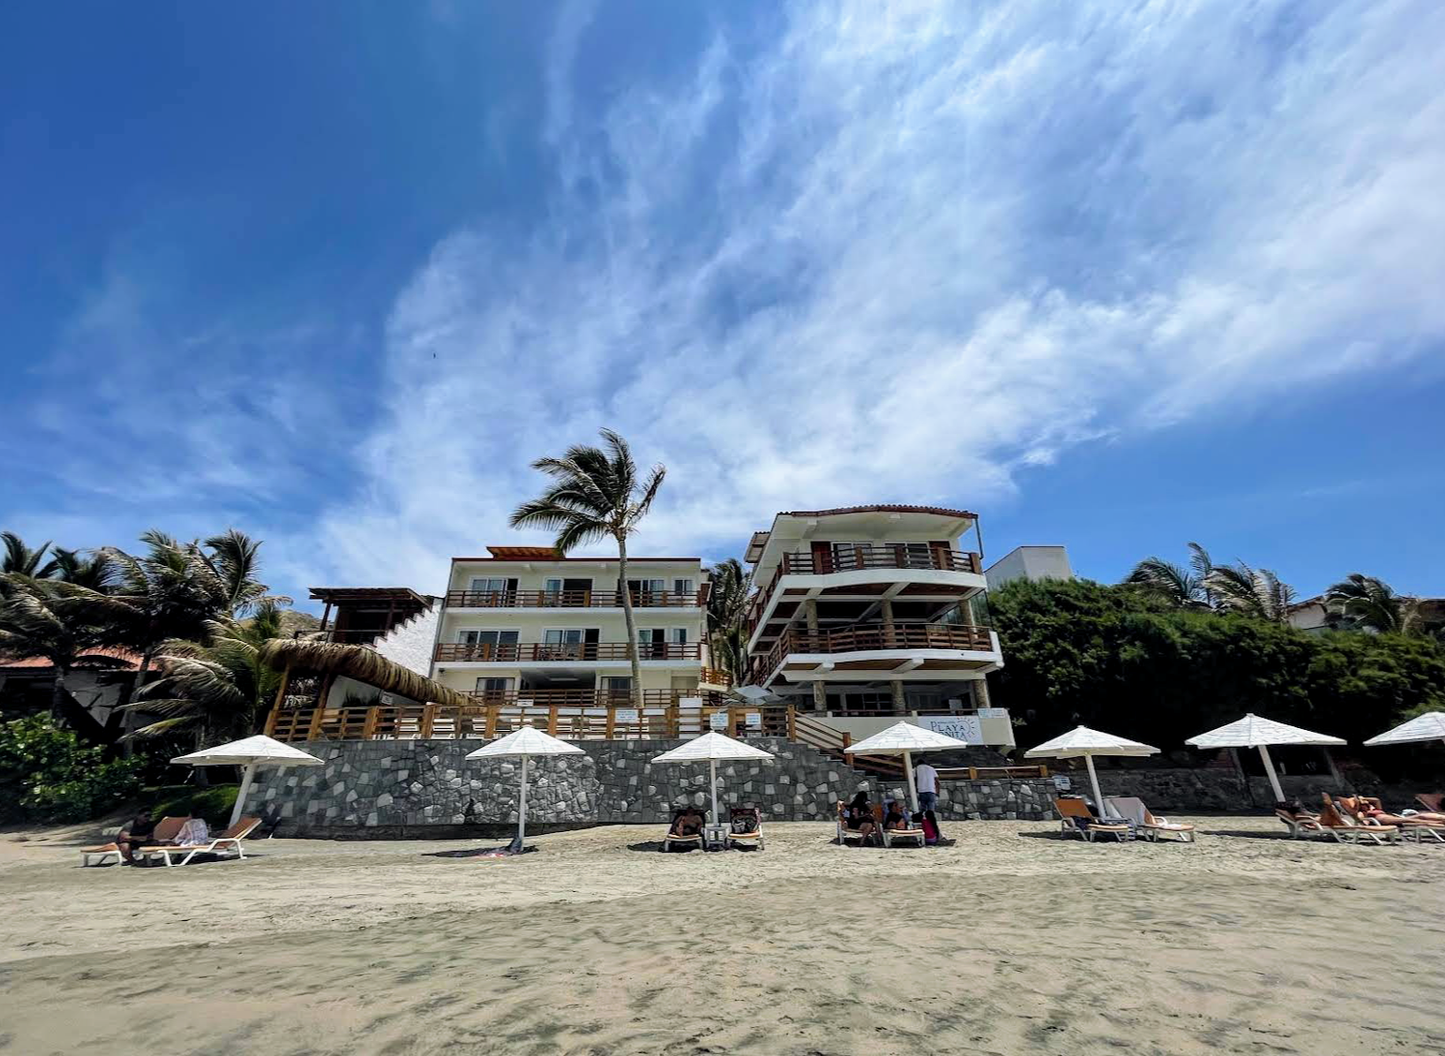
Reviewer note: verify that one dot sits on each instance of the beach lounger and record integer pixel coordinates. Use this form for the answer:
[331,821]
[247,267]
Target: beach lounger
[845,833]
[889,835]
[1133,808]
[1077,819]
[1434,802]
[745,827]
[227,844]
[166,829]
[1420,829]
[1347,829]
[1300,822]
[681,841]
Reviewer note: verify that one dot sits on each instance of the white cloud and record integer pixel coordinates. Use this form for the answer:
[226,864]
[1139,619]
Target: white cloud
[905,251]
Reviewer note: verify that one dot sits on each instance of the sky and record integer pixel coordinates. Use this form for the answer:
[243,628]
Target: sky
[1115,276]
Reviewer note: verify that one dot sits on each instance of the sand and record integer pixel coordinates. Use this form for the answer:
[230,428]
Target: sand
[1011,941]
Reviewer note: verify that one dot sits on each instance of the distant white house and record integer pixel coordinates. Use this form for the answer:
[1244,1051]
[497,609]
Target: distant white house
[1031,563]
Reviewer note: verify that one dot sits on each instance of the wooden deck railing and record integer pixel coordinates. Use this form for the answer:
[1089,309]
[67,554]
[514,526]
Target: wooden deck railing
[569,599]
[583,652]
[876,637]
[485,721]
[713,676]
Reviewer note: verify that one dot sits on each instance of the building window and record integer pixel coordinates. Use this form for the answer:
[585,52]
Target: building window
[617,688]
[496,590]
[490,645]
[645,588]
[494,687]
[683,587]
[563,644]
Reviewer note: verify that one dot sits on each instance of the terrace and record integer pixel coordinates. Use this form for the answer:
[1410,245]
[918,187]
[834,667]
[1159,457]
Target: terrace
[539,652]
[570,599]
[861,638]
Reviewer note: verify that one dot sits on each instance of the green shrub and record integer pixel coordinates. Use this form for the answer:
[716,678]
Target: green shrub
[214,803]
[46,774]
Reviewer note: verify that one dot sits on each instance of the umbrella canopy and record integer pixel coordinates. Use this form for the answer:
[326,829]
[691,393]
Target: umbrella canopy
[523,744]
[1086,743]
[1427,727]
[904,738]
[249,752]
[1252,731]
[710,748]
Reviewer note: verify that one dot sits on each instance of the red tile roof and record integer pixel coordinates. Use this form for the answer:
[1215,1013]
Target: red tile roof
[884,508]
[128,661]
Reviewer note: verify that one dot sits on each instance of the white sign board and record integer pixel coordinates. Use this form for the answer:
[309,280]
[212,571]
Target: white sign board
[961,727]
[755,720]
[386,698]
[993,713]
[625,715]
[718,720]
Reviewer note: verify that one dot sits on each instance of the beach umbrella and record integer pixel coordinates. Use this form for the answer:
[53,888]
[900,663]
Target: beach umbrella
[1252,731]
[904,738]
[712,748]
[1086,743]
[249,753]
[523,744]
[1427,727]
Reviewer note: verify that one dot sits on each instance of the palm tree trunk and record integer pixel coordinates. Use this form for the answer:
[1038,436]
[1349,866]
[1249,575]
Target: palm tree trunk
[128,722]
[57,695]
[631,627]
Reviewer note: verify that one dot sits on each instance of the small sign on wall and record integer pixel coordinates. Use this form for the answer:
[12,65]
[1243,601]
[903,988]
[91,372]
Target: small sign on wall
[386,698]
[993,713]
[625,715]
[755,720]
[960,727]
[718,720]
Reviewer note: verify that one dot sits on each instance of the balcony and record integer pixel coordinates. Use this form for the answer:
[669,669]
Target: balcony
[551,653]
[899,637]
[877,555]
[568,599]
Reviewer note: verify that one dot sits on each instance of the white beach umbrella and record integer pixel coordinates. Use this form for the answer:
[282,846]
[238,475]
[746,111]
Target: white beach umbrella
[1427,727]
[1086,743]
[1252,731]
[523,744]
[712,748]
[904,738]
[249,752]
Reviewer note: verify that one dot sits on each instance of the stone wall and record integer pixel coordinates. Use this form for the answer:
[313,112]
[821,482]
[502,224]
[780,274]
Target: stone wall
[1207,790]
[427,788]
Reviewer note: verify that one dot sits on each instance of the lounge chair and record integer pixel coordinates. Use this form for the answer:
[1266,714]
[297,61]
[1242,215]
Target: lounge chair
[681,841]
[1347,829]
[227,844]
[1077,819]
[1410,826]
[845,833]
[1300,822]
[745,827]
[1434,802]
[913,832]
[166,829]
[1133,808]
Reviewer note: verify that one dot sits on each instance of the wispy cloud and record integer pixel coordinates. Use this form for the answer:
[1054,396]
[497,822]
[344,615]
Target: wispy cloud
[904,251]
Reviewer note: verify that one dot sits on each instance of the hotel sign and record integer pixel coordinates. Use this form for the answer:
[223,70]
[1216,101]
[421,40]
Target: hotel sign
[960,727]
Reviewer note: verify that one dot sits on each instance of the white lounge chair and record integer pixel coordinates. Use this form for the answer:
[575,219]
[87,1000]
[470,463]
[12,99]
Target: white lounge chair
[227,844]
[1133,809]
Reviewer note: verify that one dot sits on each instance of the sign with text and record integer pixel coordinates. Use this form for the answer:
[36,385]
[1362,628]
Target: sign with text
[625,715]
[718,720]
[755,720]
[993,713]
[961,727]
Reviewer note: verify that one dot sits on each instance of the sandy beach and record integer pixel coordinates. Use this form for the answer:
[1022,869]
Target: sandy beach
[1011,941]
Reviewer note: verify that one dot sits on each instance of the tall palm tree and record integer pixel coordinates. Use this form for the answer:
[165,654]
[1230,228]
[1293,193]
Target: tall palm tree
[20,559]
[41,619]
[1369,603]
[727,606]
[235,557]
[94,569]
[1251,592]
[595,494]
[215,689]
[1180,587]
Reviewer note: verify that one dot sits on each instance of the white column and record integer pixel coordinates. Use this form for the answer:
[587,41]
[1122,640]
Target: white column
[912,784]
[1273,777]
[1094,782]
[246,776]
[522,807]
[712,773]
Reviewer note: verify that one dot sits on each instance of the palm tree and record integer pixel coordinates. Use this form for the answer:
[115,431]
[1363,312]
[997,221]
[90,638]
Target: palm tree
[595,494]
[20,559]
[1180,587]
[94,569]
[1369,603]
[216,689]
[727,606]
[234,556]
[41,619]
[1251,592]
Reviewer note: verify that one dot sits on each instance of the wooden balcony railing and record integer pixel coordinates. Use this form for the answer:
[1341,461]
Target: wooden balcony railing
[569,599]
[877,555]
[601,719]
[579,652]
[865,637]
[713,676]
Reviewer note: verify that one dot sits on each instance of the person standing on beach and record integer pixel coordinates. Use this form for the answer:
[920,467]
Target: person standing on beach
[927,780]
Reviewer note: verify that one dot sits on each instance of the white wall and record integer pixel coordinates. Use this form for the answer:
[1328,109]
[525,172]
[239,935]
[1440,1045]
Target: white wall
[533,575]
[1029,562]
[410,643]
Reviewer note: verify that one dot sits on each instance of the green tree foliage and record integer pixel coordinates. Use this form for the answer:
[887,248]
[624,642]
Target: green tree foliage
[727,607]
[47,775]
[1132,664]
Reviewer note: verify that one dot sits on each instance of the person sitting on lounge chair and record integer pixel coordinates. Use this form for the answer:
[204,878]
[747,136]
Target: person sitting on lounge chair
[894,818]
[134,835]
[193,832]
[1370,809]
[688,823]
[859,817]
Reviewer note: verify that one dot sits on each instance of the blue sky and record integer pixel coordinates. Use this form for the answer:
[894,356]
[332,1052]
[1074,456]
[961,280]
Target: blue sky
[1116,277]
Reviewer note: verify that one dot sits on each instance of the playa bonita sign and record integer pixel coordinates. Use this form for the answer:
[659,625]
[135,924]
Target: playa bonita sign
[961,727]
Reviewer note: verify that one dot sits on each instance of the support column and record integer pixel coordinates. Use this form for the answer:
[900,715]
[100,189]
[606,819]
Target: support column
[980,693]
[886,611]
[810,611]
[820,696]
[900,705]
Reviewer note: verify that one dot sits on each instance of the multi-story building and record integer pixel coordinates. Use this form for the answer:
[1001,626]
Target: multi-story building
[526,625]
[871,610]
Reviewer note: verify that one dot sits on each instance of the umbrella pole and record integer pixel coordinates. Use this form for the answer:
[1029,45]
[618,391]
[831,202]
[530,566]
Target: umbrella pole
[246,775]
[712,774]
[912,784]
[1094,782]
[1273,777]
[522,808]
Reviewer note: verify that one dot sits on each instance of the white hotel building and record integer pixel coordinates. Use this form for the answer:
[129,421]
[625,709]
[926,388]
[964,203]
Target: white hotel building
[525,625]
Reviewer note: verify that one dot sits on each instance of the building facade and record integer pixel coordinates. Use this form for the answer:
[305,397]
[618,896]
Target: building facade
[525,625]
[1029,562]
[873,611]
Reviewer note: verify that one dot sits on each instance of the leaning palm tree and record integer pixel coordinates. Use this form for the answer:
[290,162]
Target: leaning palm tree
[1180,587]
[595,494]
[21,559]
[1369,603]
[727,606]
[93,569]
[45,620]
[217,689]
[1251,592]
